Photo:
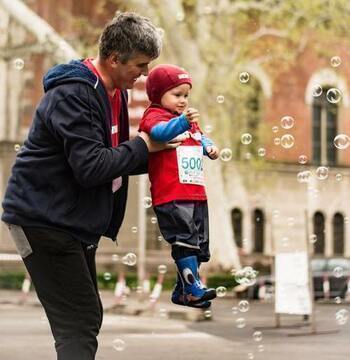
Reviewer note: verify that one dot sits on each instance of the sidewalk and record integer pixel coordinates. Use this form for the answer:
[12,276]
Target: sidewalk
[132,305]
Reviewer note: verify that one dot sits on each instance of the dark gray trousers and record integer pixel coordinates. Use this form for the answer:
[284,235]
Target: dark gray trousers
[185,226]
[63,272]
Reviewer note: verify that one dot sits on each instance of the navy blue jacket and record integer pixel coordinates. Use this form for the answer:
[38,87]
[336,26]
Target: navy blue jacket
[62,177]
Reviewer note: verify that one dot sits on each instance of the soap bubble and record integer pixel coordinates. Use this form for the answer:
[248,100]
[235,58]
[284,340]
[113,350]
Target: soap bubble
[322,172]
[162,269]
[240,323]
[118,344]
[257,336]
[221,291]
[335,61]
[246,276]
[147,202]
[243,306]
[107,276]
[317,90]
[244,77]
[220,99]
[246,138]
[342,316]
[287,122]
[302,159]
[334,95]
[129,259]
[287,141]
[226,154]
[341,141]
[18,64]
[261,152]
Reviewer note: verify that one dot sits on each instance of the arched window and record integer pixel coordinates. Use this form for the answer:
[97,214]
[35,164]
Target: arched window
[338,234]
[236,218]
[324,130]
[258,230]
[319,231]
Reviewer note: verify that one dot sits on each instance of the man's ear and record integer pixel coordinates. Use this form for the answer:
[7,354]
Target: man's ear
[114,59]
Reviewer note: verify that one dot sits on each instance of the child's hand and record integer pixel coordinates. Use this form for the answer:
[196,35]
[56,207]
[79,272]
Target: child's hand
[212,151]
[192,115]
[181,137]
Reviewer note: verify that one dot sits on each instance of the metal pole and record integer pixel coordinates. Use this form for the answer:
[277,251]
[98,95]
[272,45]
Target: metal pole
[142,227]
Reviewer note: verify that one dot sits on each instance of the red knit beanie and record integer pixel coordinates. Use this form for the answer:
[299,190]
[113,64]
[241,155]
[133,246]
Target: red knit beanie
[163,78]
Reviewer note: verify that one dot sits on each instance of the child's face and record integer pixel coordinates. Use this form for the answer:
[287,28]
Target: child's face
[176,99]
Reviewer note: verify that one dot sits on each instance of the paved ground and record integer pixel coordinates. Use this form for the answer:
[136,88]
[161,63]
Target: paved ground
[25,334]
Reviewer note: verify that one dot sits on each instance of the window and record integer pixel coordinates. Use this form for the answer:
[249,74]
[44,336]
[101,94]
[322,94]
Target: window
[319,231]
[249,108]
[324,130]
[338,234]
[236,218]
[258,230]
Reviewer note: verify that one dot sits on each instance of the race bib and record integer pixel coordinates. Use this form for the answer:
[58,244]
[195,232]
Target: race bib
[190,164]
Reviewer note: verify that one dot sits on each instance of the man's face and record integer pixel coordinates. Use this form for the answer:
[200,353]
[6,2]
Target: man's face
[125,75]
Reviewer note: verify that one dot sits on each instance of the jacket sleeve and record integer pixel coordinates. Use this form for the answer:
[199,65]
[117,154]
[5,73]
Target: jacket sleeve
[165,131]
[205,143]
[80,128]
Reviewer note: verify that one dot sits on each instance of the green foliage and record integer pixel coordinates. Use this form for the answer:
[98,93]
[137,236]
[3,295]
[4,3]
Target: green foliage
[14,280]
[11,280]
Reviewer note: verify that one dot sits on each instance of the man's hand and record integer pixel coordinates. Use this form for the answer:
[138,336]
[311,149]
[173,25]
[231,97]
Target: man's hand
[212,151]
[154,146]
[192,115]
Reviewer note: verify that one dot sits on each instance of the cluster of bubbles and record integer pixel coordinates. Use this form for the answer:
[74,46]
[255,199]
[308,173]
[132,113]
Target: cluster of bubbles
[304,176]
[129,259]
[246,276]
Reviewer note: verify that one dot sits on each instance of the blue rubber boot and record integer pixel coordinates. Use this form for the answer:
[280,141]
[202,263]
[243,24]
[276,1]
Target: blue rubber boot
[193,288]
[178,296]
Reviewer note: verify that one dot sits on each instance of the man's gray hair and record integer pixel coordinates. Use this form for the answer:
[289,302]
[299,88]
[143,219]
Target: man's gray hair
[129,34]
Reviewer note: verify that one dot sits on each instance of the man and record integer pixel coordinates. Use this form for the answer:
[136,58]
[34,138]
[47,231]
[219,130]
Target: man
[69,183]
